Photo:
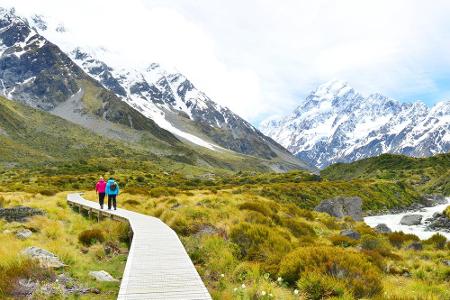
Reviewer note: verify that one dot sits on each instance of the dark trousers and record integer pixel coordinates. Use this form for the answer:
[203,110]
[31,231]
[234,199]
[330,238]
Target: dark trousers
[112,198]
[101,199]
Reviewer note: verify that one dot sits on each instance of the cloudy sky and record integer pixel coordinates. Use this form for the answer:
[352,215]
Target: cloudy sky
[262,57]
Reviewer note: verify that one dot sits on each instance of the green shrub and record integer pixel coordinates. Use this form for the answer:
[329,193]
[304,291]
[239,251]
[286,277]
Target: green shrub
[257,206]
[343,241]
[370,242]
[131,202]
[2,201]
[48,192]
[375,257]
[317,287]
[349,267]
[398,238]
[163,191]
[257,217]
[447,212]
[299,228]
[261,243]
[92,236]
[180,225]
[437,240]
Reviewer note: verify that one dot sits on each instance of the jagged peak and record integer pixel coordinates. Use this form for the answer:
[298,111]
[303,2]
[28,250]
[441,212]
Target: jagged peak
[332,89]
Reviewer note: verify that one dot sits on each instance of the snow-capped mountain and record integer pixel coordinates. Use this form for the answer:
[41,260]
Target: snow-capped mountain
[165,96]
[335,123]
[43,66]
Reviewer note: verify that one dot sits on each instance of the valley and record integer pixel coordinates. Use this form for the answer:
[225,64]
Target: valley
[347,197]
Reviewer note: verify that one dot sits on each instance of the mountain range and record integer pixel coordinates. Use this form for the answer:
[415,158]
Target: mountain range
[41,66]
[335,123]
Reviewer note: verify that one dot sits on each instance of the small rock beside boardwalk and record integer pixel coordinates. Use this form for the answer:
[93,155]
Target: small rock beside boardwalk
[102,276]
[24,234]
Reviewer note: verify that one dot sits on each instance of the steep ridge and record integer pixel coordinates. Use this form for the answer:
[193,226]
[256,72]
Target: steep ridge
[335,123]
[168,98]
[37,73]
[86,91]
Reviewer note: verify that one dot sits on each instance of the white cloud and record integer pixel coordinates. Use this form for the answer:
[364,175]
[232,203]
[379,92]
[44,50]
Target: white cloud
[260,57]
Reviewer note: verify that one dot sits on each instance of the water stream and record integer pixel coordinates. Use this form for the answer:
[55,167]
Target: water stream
[393,221]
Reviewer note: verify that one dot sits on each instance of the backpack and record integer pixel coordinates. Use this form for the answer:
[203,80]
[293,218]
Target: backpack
[113,186]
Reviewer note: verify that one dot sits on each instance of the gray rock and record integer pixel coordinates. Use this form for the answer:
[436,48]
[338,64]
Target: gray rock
[417,246]
[439,222]
[382,228]
[45,258]
[341,207]
[436,215]
[24,234]
[19,213]
[102,276]
[432,200]
[351,234]
[411,220]
[446,262]
[24,288]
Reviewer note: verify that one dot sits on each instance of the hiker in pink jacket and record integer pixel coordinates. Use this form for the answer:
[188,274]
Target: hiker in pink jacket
[100,190]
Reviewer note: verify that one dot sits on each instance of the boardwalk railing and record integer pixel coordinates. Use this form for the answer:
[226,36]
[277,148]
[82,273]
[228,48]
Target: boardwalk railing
[158,266]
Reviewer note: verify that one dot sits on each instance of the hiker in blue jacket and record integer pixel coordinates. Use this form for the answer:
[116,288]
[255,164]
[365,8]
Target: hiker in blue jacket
[112,190]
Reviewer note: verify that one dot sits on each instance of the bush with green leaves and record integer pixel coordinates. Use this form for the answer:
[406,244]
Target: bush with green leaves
[91,236]
[437,240]
[317,286]
[298,228]
[349,267]
[398,238]
[262,243]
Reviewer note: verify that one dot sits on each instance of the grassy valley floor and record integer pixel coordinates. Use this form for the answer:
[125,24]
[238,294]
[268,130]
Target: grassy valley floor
[58,232]
[250,235]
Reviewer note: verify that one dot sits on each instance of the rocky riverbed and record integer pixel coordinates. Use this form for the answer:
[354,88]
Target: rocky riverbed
[431,220]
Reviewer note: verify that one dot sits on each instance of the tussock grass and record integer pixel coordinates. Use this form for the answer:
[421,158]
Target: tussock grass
[58,232]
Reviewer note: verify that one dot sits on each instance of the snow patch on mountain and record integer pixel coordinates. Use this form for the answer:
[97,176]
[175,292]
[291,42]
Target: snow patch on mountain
[135,87]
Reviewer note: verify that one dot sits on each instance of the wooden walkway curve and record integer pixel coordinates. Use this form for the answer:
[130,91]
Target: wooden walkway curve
[158,266]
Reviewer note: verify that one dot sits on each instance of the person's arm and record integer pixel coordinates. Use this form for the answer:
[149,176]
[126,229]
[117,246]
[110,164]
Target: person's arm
[107,188]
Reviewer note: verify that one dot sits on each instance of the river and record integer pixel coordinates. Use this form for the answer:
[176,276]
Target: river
[393,221]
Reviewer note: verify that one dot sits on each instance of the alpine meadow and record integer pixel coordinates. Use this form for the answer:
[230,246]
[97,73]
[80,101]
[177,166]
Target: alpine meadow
[181,150]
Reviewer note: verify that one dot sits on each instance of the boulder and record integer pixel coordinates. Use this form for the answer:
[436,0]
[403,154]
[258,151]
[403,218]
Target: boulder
[446,262]
[23,234]
[417,246]
[382,228]
[102,276]
[340,207]
[439,222]
[411,220]
[432,200]
[19,213]
[351,234]
[45,258]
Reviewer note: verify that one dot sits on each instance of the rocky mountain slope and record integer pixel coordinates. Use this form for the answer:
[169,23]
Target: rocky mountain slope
[167,97]
[71,83]
[335,123]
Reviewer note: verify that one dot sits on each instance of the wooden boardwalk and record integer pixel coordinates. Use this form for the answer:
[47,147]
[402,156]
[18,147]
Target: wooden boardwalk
[158,266]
